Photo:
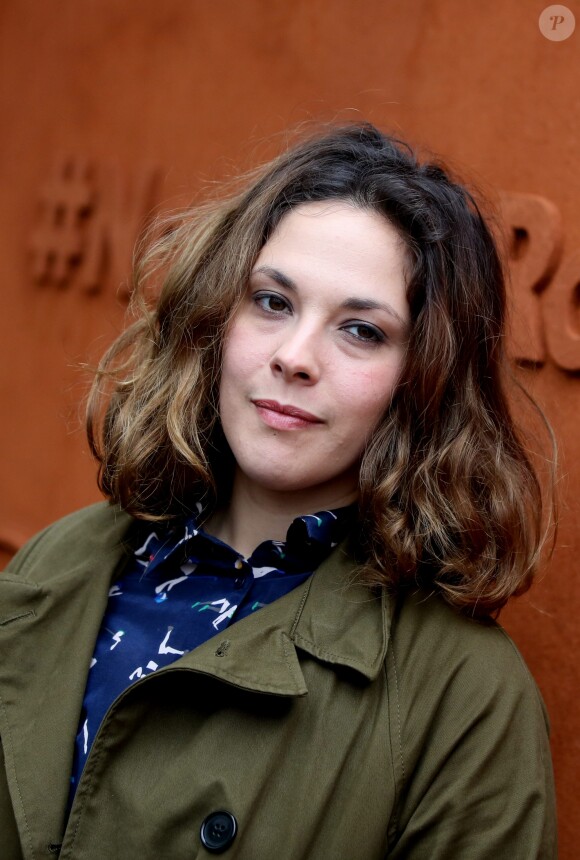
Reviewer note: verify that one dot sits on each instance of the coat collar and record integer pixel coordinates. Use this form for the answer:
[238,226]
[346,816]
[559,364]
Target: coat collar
[49,621]
[330,617]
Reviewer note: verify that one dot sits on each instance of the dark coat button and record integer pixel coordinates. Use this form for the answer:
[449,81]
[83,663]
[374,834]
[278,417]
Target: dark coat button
[218,831]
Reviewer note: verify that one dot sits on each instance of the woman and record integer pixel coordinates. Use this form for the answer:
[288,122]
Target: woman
[277,635]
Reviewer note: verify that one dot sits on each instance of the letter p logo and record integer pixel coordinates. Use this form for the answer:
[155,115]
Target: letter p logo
[557,23]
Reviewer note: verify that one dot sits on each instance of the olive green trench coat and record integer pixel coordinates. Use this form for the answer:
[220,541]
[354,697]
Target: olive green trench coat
[331,724]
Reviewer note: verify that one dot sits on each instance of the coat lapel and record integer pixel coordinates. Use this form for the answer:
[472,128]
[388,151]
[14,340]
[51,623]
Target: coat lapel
[341,622]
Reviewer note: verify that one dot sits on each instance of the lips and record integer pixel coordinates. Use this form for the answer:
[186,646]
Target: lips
[281,416]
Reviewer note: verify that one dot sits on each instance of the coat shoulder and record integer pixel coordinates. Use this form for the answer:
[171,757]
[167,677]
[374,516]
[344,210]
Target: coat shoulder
[433,641]
[98,529]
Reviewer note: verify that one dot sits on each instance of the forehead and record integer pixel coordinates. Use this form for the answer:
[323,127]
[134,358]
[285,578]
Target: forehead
[340,245]
[337,228]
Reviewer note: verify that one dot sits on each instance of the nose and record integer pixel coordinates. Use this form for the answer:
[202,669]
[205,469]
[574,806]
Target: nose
[297,356]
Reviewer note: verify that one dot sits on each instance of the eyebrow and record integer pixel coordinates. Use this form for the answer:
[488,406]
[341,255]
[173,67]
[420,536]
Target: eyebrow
[352,303]
[277,276]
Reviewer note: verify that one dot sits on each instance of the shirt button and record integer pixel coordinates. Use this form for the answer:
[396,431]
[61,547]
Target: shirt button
[239,582]
[218,831]
[239,564]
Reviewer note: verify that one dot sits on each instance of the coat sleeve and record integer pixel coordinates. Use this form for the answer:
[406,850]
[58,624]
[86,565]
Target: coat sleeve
[475,772]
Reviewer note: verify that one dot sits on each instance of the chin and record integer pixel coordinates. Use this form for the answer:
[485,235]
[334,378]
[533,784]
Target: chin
[285,478]
[281,483]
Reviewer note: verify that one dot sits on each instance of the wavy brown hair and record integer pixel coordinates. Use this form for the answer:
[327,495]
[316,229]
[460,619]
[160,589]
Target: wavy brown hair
[448,495]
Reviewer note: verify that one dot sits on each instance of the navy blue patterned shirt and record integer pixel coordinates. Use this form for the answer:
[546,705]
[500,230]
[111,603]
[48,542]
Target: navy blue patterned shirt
[183,586]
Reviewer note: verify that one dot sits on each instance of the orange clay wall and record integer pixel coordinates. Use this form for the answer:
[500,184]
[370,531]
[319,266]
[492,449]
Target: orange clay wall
[110,109]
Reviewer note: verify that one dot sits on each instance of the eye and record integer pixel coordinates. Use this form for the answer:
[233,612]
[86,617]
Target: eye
[272,303]
[364,332]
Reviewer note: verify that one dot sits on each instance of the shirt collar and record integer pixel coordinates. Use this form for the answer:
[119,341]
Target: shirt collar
[309,540]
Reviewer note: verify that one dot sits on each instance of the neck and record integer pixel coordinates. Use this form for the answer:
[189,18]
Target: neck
[255,514]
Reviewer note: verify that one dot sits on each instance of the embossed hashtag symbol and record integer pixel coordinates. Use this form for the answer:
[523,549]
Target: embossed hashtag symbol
[57,243]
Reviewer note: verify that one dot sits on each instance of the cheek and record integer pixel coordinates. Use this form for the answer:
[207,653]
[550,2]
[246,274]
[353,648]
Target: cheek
[239,356]
[371,391]
[243,363]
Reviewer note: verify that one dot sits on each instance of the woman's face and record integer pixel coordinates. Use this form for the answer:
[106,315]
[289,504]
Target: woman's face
[312,356]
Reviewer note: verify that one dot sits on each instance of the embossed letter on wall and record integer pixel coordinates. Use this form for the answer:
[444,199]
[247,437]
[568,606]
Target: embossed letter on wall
[545,289]
[89,220]
[535,239]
